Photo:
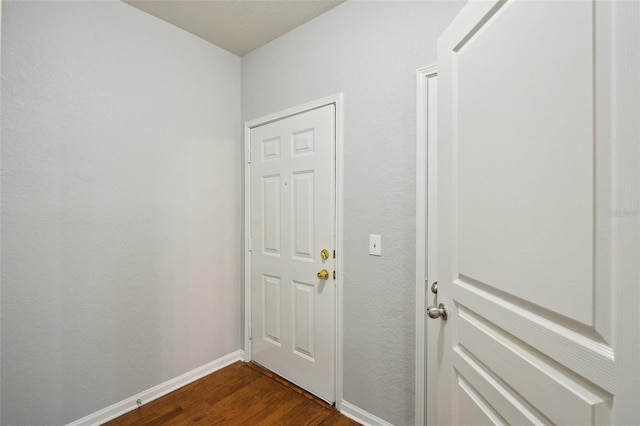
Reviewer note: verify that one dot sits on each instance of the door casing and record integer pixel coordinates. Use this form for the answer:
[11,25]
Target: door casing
[426,209]
[337,101]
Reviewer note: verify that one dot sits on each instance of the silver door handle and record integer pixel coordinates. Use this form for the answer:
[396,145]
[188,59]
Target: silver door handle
[439,311]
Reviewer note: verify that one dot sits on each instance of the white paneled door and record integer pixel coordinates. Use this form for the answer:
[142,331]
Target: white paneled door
[292,255]
[524,240]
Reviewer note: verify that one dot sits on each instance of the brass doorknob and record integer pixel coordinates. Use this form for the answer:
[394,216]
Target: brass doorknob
[323,275]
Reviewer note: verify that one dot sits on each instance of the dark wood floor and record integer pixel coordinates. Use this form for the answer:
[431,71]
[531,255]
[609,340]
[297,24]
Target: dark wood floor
[240,394]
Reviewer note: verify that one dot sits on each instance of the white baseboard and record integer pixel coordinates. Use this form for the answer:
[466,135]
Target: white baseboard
[361,416]
[129,404]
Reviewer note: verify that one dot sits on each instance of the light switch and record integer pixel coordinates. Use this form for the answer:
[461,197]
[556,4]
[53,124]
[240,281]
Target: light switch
[375,245]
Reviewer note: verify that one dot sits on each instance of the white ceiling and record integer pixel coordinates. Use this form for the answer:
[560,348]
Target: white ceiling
[238,26]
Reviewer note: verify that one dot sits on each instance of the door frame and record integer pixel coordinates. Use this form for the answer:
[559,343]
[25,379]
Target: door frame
[338,101]
[426,199]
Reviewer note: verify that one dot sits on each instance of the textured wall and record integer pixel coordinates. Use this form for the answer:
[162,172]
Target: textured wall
[121,186]
[370,51]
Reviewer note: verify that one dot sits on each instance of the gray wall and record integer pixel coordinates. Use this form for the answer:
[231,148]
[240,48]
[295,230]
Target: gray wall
[121,193]
[370,51]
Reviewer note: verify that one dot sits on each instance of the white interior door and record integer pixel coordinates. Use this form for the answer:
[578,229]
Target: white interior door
[525,244]
[292,222]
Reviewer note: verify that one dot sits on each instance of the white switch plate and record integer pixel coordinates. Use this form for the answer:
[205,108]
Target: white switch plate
[375,245]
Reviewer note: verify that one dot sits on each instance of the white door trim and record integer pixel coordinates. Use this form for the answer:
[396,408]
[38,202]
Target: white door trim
[338,101]
[424,164]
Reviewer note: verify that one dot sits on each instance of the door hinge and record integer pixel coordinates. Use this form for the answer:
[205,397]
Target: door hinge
[334,254]
[249,244]
[249,157]
[334,275]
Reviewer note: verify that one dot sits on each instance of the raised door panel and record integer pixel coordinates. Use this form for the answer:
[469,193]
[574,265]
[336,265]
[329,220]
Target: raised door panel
[271,149]
[271,215]
[474,410]
[303,215]
[302,142]
[271,309]
[304,318]
[525,162]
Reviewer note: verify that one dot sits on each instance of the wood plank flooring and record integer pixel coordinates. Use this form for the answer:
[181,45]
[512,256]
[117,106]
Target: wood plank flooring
[240,394]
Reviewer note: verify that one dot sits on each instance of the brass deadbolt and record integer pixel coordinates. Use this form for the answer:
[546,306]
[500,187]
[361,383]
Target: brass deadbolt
[324,254]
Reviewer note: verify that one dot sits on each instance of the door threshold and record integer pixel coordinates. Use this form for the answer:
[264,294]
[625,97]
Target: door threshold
[297,389]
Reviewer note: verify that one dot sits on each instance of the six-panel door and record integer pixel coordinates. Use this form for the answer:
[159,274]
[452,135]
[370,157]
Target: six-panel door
[292,221]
